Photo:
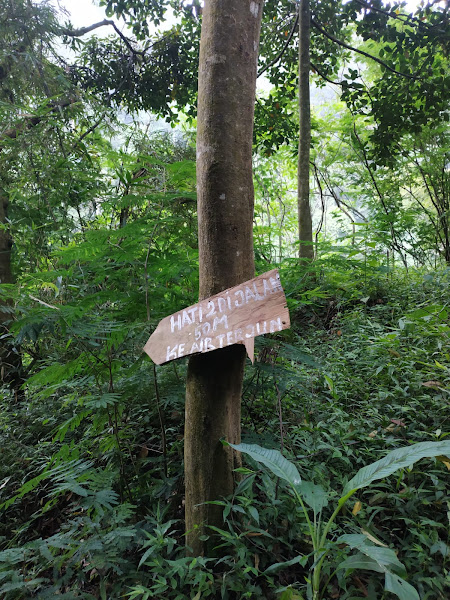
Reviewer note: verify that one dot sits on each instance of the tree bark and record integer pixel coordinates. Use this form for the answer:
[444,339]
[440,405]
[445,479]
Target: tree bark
[305,234]
[227,83]
[10,358]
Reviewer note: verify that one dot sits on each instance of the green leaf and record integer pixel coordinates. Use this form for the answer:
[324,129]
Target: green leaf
[288,563]
[254,513]
[293,353]
[401,588]
[146,554]
[314,495]
[400,458]
[245,484]
[273,460]
[360,561]
[71,486]
[381,560]
[290,594]
[384,557]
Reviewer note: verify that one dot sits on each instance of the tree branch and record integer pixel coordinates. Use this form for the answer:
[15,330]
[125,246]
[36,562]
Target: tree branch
[400,17]
[395,243]
[375,58]
[341,83]
[84,30]
[29,121]
[106,22]
[283,50]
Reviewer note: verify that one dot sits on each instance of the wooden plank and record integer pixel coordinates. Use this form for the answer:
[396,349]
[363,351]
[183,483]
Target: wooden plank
[235,316]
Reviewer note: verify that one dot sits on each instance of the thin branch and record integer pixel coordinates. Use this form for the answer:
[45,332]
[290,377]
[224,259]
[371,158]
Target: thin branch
[395,243]
[319,72]
[322,200]
[94,126]
[283,50]
[151,241]
[425,210]
[339,204]
[366,54]
[407,18]
[341,83]
[29,121]
[162,423]
[106,22]
[90,130]
[84,30]
[338,201]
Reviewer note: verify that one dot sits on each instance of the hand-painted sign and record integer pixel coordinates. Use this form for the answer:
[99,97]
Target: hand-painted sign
[235,316]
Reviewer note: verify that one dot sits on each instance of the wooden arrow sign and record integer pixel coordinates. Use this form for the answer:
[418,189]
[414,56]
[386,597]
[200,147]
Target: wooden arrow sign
[235,316]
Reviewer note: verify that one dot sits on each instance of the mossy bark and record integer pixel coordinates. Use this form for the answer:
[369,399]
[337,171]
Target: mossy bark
[305,234]
[227,83]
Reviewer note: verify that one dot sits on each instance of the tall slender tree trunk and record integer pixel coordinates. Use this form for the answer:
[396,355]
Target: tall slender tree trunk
[5,244]
[10,358]
[305,234]
[227,82]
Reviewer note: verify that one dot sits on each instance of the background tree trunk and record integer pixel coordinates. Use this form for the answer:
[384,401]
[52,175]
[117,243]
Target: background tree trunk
[227,83]
[10,358]
[306,248]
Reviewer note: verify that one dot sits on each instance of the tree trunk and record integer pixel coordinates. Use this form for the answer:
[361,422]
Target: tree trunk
[305,234]
[10,359]
[227,83]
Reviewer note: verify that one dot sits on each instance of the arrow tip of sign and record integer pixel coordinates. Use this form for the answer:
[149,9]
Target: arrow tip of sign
[250,347]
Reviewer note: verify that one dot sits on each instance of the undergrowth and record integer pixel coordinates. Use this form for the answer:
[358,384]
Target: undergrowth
[91,479]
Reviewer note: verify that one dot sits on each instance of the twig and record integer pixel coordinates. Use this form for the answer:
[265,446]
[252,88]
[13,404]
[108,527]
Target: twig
[44,303]
[366,54]
[283,50]
[161,420]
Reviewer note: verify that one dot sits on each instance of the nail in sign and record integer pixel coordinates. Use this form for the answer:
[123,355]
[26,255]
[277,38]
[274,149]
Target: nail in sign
[235,316]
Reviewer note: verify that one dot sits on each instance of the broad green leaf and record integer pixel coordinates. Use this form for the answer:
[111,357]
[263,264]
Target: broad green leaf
[401,588]
[381,560]
[314,495]
[273,460]
[360,561]
[290,594]
[385,557]
[397,459]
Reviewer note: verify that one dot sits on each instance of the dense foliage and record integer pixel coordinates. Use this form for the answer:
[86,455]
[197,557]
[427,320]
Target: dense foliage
[98,231]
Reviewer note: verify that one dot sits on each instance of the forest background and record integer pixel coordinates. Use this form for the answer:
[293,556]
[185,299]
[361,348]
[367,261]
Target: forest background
[98,242]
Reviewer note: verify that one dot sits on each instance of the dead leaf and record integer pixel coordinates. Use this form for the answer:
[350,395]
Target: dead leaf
[373,434]
[398,422]
[445,460]
[257,562]
[356,508]
[391,428]
[433,384]
[143,452]
[373,538]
